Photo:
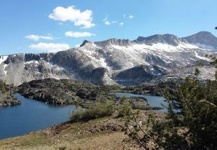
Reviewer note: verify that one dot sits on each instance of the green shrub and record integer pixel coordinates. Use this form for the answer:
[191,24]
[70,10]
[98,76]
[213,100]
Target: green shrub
[65,81]
[97,110]
[192,126]
[3,87]
[197,103]
[124,109]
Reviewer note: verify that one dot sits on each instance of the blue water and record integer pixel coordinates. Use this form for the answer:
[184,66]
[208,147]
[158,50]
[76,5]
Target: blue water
[154,101]
[30,116]
[33,115]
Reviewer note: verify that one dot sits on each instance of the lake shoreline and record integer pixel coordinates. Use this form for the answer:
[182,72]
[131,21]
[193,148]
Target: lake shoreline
[142,102]
[103,132]
[30,116]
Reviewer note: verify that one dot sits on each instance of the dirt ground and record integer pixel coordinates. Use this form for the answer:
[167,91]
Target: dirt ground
[99,134]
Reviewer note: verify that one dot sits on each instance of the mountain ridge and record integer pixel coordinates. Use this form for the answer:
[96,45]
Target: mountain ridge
[111,61]
[203,36]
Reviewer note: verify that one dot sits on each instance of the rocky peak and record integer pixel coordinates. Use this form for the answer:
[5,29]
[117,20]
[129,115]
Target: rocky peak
[202,38]
[14,59]
[158,38]
[31,57]
[84,43]
[113,41]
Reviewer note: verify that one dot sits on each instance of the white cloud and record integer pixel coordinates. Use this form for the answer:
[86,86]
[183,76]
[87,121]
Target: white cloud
[121,23]
[76,16]
[113,22]
[78,34]
[49,47]
[38,37]
[130,16]
[108,22]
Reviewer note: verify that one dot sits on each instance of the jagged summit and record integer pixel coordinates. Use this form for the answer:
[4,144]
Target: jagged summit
[109,42]
[201,39]
[84,43]
[113,41]
[158,38]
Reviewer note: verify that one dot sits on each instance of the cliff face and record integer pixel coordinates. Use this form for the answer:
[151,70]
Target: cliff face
[112,61]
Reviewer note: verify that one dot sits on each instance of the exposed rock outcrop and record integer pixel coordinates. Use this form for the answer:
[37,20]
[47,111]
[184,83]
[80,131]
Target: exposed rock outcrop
[4,102]
[62,92]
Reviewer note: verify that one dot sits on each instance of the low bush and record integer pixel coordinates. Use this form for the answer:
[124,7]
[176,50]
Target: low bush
[124,109]
[3,87]
[97,110]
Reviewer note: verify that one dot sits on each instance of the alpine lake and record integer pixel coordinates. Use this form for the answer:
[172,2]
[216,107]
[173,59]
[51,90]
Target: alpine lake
[33,115]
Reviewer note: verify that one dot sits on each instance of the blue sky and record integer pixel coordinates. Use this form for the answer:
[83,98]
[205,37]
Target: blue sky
[33,26]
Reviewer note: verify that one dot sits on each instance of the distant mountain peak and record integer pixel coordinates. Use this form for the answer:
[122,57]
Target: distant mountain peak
[159,38]
[84,43]
[204,33]
[202,38]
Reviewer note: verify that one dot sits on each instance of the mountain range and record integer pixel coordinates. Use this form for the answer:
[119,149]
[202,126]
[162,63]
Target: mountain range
[145,59]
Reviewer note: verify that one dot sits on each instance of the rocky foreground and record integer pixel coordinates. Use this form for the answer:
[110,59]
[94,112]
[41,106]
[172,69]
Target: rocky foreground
[92,135]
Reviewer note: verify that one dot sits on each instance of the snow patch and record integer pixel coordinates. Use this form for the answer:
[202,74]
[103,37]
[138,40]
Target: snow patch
[207,47]
[156,47]
[3,58]
[5,65]
[102,62]
[187,46]
[50,64]
[201,57]
[55,77]
[32,62]
[56,67]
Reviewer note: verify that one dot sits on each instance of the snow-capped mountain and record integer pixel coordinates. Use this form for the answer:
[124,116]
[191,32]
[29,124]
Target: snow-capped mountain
[203,40]
[113,60]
